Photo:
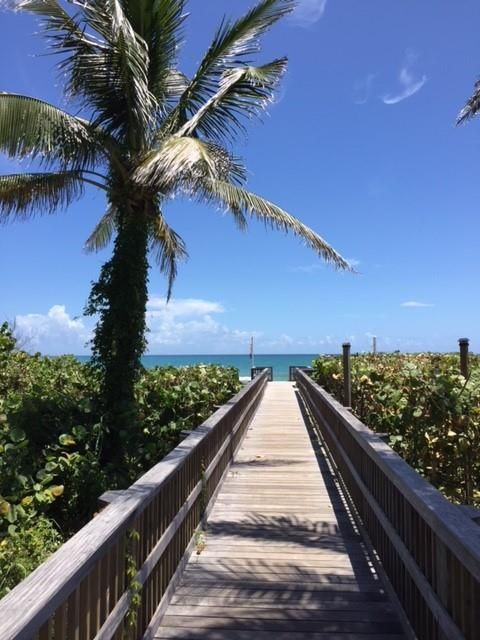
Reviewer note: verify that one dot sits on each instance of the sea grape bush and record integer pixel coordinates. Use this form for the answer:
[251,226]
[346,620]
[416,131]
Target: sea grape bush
[173,400]
[52,434]
[429,410]
[24,549]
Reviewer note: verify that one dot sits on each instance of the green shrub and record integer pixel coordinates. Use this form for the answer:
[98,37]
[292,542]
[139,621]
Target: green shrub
[26,487]
[429,410]
[52,434]
[22,551]
[171,400]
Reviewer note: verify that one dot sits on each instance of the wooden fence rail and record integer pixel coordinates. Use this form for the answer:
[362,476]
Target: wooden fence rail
[113,578]
[429,549]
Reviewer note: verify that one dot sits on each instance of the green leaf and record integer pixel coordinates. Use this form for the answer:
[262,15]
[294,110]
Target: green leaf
[169,248]
[11,515]
[103,232]
[244,91]
[57,490]
[31,128]
[17,435]
[233,44]
[237,199]
[186,160]
[66,440]
[472,107]
[22,195]
[4,507]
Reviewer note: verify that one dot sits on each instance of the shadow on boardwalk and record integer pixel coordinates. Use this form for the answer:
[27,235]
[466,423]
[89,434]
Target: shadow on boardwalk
[303,574]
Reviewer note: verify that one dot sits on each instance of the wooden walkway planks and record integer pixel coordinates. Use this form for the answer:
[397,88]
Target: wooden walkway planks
[280,558]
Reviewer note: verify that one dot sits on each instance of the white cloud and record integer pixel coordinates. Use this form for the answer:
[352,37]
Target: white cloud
[353,262]
[54,332]
[183,325]
[280,94]
[189,325]
[362,89]
[409,82]
[309,12]
[307,268]
[182,307]
[413,304]
[318,266]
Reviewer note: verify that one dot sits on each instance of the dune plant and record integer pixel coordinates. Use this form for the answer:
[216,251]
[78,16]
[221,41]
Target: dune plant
[430,412]
[144,132]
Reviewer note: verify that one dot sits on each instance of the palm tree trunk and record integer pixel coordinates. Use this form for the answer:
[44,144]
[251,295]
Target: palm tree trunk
[120,298]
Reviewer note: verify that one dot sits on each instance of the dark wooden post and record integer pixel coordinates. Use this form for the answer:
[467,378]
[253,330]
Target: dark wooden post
[464,342]
[347,375]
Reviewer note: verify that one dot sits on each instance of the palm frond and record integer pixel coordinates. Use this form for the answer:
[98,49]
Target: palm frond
[159,23]
[105,62]
[54,19]
[31,128]
[169,248]
[235,198]
[125,104]
[174,83]
[23,195]
[232,46]
[185,160]
[103,232]
[243,92]
[472,107]
[65,32]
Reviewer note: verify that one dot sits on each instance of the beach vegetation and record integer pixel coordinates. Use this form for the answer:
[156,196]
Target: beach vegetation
[52,432]
[429,411]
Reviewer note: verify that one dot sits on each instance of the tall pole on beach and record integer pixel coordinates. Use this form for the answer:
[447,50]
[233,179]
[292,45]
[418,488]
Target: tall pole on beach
[347,375]
[464,342]
[252,357]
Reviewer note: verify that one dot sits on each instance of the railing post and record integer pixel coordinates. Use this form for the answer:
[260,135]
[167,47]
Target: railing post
[464,342]
[347,375]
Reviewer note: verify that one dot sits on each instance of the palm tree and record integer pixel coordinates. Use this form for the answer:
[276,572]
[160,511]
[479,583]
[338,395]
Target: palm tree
[148,133]
[472,106]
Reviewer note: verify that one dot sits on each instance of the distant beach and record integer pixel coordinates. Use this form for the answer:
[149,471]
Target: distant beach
[280,363]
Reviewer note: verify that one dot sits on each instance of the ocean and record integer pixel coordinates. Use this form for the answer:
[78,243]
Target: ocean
[280,363]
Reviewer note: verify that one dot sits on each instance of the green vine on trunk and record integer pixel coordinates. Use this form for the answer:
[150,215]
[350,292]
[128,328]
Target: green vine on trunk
[204,490]
[119,299]
[134,585]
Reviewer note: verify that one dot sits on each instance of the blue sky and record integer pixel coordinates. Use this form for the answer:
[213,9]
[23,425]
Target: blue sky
[361,145]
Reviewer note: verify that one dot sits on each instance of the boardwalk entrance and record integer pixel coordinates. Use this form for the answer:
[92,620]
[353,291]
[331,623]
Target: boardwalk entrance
[280,557]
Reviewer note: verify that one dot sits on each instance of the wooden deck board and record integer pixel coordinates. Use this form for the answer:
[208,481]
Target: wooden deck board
[282,558]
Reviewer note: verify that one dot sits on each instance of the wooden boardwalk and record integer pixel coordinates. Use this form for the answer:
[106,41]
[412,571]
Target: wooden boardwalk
[280,558]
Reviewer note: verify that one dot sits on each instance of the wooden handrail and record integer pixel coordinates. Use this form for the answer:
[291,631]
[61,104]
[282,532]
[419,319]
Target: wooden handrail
[85,589]
[430,550]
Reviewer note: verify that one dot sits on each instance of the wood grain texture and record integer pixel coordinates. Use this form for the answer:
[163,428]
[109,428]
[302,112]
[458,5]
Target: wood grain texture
[280,557]
[88,572]
[429,549]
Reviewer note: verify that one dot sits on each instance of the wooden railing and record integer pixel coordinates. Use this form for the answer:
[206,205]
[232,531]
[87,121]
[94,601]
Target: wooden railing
[113,579]
[255,371]
[428,548]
